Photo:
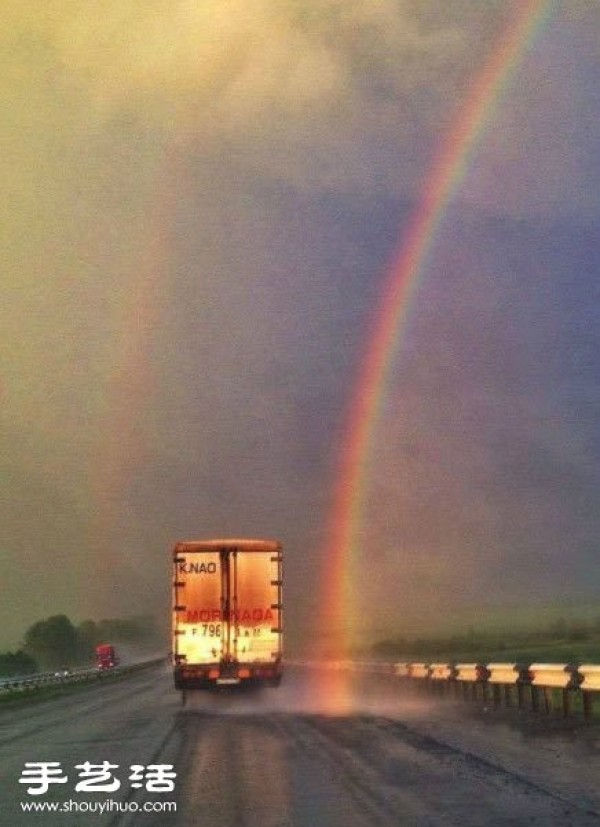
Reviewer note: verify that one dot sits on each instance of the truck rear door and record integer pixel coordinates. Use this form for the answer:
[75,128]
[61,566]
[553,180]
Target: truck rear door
[199,627]
[255,589]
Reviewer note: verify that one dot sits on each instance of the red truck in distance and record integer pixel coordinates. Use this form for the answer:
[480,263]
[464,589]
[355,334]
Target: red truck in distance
[106,656]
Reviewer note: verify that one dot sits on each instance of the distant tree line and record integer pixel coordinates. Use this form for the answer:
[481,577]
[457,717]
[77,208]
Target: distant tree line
[16,663]
[56,642]
[559,630]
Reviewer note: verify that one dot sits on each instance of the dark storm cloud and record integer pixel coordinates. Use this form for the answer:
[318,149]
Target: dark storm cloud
[202,202]
[486,474]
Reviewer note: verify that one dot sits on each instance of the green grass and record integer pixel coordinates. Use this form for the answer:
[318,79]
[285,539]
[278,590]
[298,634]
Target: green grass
[562,643]
[551,652]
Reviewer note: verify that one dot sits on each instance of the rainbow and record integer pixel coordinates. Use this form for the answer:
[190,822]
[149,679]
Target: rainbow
[447,174]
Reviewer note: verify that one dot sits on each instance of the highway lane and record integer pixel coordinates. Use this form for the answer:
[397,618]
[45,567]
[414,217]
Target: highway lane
[309,754]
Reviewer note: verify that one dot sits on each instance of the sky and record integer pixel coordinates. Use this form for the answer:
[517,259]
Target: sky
[203,202]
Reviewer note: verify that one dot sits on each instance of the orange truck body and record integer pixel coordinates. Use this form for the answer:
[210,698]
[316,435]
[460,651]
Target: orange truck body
[227,613]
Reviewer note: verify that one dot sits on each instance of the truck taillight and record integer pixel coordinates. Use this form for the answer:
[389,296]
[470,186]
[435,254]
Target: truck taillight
[192,672]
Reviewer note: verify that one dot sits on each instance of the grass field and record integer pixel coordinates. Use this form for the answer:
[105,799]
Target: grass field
[561,642]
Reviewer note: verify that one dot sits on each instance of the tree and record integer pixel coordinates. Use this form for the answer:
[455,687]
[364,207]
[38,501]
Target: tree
[52,642]
[88,637]
[139,630]
[16,663]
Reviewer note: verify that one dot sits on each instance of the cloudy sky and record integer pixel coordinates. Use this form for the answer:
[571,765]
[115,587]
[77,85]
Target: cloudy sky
[202,204]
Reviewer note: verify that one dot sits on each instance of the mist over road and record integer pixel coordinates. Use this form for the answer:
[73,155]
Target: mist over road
[283,757]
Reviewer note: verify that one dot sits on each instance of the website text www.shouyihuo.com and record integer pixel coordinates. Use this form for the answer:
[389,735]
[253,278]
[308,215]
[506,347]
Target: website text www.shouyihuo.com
[109,805]
[40,776]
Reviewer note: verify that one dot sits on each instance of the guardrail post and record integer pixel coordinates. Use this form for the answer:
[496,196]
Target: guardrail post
[507,695]
[496,693]
[549,677]
[534,698]
[547,695]
[589,682]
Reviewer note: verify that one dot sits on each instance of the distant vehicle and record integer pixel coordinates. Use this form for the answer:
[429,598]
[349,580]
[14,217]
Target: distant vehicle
[227,613]
[63,672]
[106,656]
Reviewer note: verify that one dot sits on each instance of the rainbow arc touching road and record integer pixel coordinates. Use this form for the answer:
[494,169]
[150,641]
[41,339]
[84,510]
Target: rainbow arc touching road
[389,319]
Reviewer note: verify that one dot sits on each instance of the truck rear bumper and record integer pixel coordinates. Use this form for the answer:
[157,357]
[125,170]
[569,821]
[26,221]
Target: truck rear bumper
[205,676]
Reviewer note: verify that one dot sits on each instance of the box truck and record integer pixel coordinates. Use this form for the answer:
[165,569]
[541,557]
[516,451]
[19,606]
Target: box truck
[227,613]
[106,656]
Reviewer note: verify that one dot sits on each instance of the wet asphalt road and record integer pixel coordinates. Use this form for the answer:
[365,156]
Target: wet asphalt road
[310,754]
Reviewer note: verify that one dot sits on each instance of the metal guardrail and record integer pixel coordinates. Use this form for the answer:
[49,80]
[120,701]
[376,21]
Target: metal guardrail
[44,679]
[23,683]
[540,682]
[471,672]
[441,671]
[509,674]
[590,677]
[559,675]
[535,685]
[419,671]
